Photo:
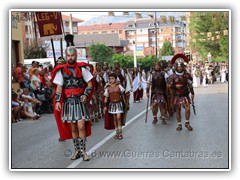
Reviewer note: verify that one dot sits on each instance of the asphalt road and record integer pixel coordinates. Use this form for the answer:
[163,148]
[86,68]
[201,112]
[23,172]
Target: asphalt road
[34,144]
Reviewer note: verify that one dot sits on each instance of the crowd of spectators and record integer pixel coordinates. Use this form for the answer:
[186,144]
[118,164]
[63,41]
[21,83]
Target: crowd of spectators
[34,97]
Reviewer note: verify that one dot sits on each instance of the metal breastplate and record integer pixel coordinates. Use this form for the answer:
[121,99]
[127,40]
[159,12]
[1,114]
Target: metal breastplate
[72,81]
[182,80]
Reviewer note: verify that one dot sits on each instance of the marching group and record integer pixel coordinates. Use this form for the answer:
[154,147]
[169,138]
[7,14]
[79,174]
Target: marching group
[78,94]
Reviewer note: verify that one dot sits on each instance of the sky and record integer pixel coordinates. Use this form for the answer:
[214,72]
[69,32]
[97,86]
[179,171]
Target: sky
[87,15]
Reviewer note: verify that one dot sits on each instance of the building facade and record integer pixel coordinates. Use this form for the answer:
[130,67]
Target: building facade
[142,35]
[16,43]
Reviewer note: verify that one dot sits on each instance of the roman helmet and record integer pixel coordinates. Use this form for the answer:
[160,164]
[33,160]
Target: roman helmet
[71,50]
[61,60]
[179,60]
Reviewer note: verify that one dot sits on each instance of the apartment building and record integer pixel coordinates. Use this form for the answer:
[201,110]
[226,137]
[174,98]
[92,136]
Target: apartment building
[147,35]
[143,33]
[104,29]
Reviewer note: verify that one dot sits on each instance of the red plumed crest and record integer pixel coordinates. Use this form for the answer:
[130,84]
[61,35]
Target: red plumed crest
[179,56]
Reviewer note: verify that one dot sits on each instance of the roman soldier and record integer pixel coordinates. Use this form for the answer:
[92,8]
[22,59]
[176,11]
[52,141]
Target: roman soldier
[157,83]
[120,74]
[74,85]
[181,82]
[114,106]
[106,73]
[121,78]
[170,93]
[128,89]
[99,90]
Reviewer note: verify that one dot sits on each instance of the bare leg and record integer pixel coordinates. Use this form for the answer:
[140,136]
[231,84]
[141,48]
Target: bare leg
[119,122]
[178,116]
[154,111]
[115,125]
[162,108]
[74,130]
[187,116]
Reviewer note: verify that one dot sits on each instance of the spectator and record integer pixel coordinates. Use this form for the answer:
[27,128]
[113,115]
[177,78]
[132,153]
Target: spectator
[19,109]
[35,81]
[26,77]
[46,77]
[25,94]
[18,71]
[15,108]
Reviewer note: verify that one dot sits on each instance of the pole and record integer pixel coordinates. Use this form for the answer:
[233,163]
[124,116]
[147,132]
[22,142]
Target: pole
[156,34]
[61,47]
[134,54]
[54,56]
[70,25]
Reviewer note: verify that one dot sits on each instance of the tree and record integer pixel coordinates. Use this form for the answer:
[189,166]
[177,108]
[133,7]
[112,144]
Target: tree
[100,53]
[167,49]
[35,51]
[207,34]
[124,60]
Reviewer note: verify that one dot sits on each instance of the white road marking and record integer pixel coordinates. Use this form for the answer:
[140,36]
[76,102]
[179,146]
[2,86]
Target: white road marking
[94,148]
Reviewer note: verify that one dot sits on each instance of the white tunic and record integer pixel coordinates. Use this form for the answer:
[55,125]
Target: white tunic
[86,74]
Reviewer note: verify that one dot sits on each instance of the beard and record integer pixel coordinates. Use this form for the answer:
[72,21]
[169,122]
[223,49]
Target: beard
[71,61]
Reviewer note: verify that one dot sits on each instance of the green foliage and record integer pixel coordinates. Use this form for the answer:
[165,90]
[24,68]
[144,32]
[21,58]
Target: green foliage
[124,61]
[128,61]
[35,51]
[101,53]
[167,49]
[215,22]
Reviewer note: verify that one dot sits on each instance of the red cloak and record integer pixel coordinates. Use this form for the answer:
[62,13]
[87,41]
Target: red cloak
[64,129]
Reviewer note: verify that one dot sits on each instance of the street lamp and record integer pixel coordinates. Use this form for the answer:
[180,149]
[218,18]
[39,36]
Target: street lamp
[156,34]
[172,21]
[134,54]
[155,23]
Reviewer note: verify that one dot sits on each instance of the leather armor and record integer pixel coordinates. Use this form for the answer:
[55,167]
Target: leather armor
[183,80]
[158,82]
[114,93]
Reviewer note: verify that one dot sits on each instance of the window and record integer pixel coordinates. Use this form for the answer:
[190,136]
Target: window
[130,25]
[120,31]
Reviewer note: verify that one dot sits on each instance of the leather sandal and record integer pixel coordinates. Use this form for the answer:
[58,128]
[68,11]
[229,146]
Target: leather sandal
[120,136]
[179,128]
[76,155]
[155,120]
[188,126]
[85,156]
[116,135]
[164,121]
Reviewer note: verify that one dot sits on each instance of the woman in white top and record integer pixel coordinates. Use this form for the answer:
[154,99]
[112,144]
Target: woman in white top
[35,81]
[223,73]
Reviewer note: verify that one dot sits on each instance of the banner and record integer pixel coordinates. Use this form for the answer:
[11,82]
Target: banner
[139,50]
[49,23]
